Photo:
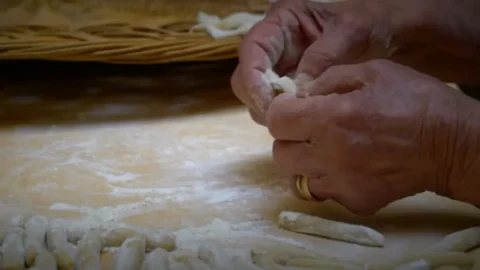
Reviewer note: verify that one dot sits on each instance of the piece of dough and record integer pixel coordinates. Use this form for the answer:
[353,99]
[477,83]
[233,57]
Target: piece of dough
[460,241]
[218,257]
[280,84]
[303,223]
[89,248]
[131,254]
[44,260]
[435,259]
[35,230]
[13,250]
[415,265]
[155,239]
[155,260]
[64,252]
[185,259]
[233,25]
[19,220]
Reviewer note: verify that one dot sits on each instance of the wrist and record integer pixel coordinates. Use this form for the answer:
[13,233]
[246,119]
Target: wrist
[447,25]
[458,173]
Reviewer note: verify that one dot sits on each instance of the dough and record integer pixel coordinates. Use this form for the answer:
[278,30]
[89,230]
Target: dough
[280,84]
[64,252]
[35,230]
[303,223]
[415,265]
[44,260]
[155,260]
[187,260]
[177,261]
[19,220]
[233,25]
[89,248]
[13,250]
[131,254]
[220,257]
[460,241]
[155,239]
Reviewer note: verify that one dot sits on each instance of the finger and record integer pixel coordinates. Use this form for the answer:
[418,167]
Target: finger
[257,118]
[260,49]
[238,88]
[338,79]
[294,119]
[293,188]
[295,158]
[327,51]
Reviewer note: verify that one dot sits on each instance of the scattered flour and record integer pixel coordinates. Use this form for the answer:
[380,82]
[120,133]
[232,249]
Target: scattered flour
[113,178]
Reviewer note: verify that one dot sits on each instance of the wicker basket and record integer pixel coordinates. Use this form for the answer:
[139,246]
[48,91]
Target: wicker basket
[115,31]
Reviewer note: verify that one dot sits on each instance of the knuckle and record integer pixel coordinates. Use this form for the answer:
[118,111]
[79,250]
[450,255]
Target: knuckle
[346,109]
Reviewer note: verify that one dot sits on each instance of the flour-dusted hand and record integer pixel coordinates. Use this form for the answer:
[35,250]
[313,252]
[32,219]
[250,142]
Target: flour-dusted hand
[302,38]
[372,133]
[293,29]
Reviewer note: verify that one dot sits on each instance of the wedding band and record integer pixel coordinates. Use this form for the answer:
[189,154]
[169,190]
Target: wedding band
[302,188]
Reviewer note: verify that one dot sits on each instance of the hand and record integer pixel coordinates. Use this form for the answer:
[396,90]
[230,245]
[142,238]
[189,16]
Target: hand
[302,37]
[372,133]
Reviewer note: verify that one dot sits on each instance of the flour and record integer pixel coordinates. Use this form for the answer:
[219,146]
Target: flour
[113,178]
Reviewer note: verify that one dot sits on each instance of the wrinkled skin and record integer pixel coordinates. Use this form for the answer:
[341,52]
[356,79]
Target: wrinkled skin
[302,39]
[370,134]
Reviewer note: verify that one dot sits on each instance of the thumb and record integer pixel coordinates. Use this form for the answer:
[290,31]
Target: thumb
[338,79]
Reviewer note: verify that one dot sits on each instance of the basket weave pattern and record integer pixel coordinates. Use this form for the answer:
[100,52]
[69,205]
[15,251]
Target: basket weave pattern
[115,31]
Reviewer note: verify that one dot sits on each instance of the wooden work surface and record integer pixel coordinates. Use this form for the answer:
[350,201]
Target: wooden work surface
[168,147]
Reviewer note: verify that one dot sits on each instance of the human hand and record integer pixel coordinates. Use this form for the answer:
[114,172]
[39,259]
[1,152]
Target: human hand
[372,133]
[299,37]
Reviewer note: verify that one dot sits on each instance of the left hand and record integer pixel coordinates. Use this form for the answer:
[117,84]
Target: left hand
[372,133]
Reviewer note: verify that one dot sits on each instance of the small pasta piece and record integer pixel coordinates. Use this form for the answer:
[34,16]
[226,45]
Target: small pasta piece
[303,223]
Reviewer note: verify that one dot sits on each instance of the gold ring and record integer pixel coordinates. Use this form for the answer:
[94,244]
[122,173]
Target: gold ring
[302,188]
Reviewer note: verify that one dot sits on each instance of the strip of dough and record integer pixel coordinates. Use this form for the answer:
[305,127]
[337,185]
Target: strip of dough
[89,248]
[460,241]
[64,252]
[415,265]
[155,239]
[35,230]
[220,257]
[436,259]
[188,260]
[13,250]
[131,254]
[44,260]
[157,259]
[303,223]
